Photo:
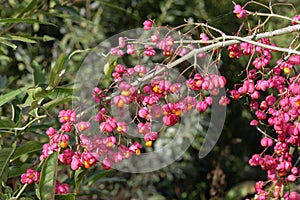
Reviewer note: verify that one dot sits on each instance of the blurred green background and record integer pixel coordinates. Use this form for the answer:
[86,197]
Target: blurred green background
[224,173]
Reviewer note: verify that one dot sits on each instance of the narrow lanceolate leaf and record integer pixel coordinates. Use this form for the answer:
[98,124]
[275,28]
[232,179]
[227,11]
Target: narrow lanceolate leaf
[55,75]
[18,170]
[38,73]
[29,147]
[74,13]
[20,38]
[109,67]
[79,175]
[11,95]
[5,155]
[7,43]
[78,51]
[61,92]
[26,9]
[24,20]
[48,178]
[57,102]
[100,174]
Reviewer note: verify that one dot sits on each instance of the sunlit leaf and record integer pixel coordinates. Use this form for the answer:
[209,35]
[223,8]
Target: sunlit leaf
[7,43]
[34,95]
[11,95]
[55,74]
[47,38]
[155,197]
[78,51]
[25,7]
[109,67]
[23,20]
[40,93]
[20,38]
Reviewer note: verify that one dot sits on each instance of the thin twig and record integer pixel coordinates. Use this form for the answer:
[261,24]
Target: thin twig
[219,43]
[234,40]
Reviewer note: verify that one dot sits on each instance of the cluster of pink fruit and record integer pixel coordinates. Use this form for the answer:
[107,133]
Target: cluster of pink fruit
[82,151]
[273,93]
[153,101]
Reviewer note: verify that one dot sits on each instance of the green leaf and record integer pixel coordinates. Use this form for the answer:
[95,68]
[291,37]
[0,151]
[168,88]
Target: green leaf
[6,122]
[7,192]
[65,197]
[60,92]
[5,155]
[20,38]
[156,197]
[28,100]
[47,38]
[48,177]
[35,38]
[57,102]
[28,147]
[74,13]
[7,43]
[34,96]
[40,93]
[60,95]
[69,9]
[11,95]
[24,7]
[78,51]
[5,58]
[114,6]
[15,171]
[78,177]
[38,74]
[24,20]
[16,114]
[29,7]
[110,66]
[99,175]
[240,190]
[35,127]
[110,179]
[55,74]
[26,198]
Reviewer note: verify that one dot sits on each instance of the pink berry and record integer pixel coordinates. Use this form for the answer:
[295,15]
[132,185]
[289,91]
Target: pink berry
[239,11]
[266,142]
[106,164]
[147,25]
[294,196]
